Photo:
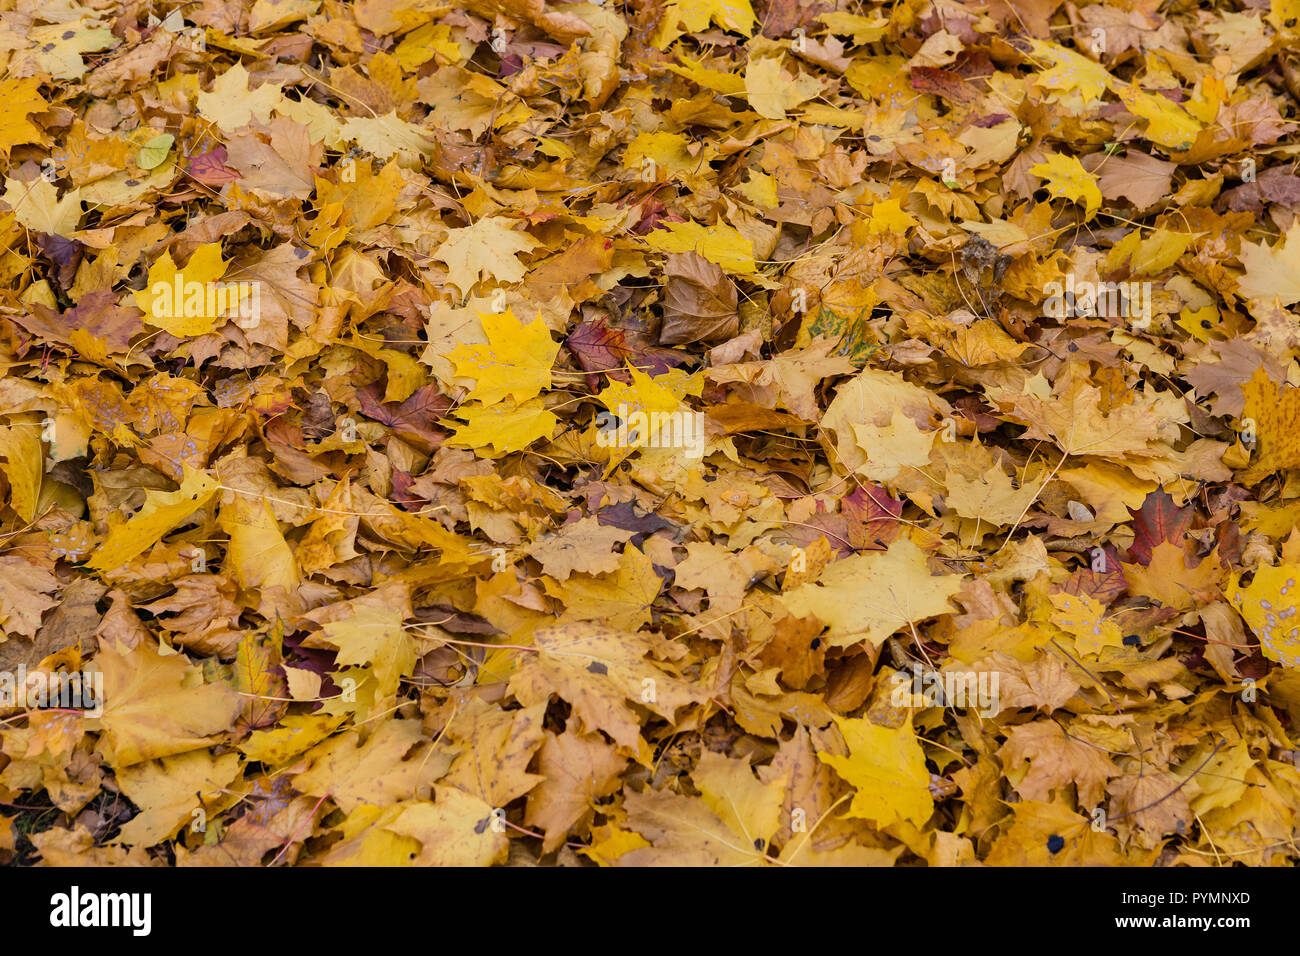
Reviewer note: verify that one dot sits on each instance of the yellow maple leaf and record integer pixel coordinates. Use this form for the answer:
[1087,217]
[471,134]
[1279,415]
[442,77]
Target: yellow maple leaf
[330,537]
[869,397]
[291,736]
[989,496]
[465,100]
[37,206]
[272,14]
[1067,178]
[645,393]
[1269,415]
[772,92]
[609,844]
[368,631]
[1221,782]
[495,748]
[451,830]
[886,767]
[1272,276]
[57,48]
[720,244]
[732,824]
[1285,16]
[1170,581]
[685,832]
[368,840]
[888,216]
[1168,124]
[1068,71]
[1053,834]
[388,137]
[257,555]
[503,427]
[487,249]
[162,512]
[695,15]
[891,449]
[1271,606]
[870,596]
[157,705]
[22,99]
[167,790]
[396,762]
[183,302]
[750,806]
[1204,106]
[515,363]
[1072,417]
[1082,617]
[599,670]
[1149,256]
[232,106]
[862,29]
[1110,490]
[367,197]
[322,124]
[619,599]
[640,406]
[405,374]
[424,43]
[728,84]
[1041,757]
[24,466]
[666,151]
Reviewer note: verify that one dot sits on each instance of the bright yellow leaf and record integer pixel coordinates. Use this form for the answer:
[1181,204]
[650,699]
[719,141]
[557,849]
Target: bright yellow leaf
[21,98]
[886,767]
[720,244]
[503,427]
[515,363]
[1168,124]
[1066,178]
[1271,606]
[162,512]
[184,302]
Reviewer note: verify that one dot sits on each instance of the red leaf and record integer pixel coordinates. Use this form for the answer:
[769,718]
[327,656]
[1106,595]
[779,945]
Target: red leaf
[210,167]
[1157,521]
[867,521]
[600,347]
[1103,586]
[929,79]
[402,482]
[413,419]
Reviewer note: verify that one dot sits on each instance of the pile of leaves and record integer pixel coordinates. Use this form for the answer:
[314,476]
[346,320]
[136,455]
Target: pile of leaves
[383,575]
